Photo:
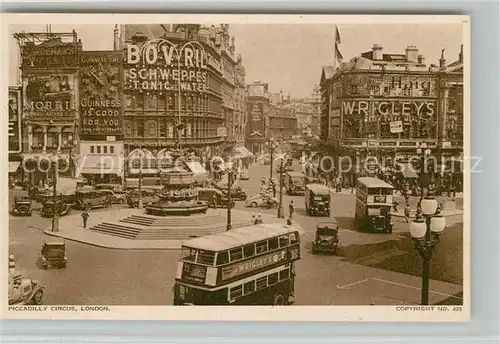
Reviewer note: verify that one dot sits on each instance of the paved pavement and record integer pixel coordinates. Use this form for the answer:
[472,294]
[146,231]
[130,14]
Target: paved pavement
[380,269]
[71,228]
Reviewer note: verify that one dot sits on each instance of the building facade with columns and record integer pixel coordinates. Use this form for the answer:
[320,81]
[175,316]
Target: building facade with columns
[50,98]
[173,95]
[386,105]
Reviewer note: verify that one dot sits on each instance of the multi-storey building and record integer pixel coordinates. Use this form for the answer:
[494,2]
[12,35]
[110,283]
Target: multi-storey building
[240,102]
[257,113]
[282,120]
[228,86]
[384,105]
[173,79]
[50,98]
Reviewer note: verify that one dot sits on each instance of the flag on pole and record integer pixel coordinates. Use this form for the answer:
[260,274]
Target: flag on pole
[337,55]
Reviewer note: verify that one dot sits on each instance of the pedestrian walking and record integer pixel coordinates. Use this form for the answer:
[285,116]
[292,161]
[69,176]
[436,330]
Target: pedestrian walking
[214,201]
[395,205]
[274,190]
[254,220]
[407,212]
[259,220]
[85,217]
[290,209]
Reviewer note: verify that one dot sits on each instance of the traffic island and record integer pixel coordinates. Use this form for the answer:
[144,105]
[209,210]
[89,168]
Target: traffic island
[133,229]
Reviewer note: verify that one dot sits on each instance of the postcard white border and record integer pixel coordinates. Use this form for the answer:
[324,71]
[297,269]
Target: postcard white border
[253,313]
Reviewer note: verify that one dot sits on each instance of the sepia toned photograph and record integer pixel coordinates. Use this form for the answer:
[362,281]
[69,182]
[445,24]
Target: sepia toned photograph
[248,161]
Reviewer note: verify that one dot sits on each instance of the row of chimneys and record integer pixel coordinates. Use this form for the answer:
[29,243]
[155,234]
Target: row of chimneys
[413,56]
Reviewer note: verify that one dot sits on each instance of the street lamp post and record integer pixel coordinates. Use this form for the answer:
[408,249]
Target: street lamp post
[229,194]
[139,202]
[55,214]
[272,145]
[280,205]
[425,230]
[424,152]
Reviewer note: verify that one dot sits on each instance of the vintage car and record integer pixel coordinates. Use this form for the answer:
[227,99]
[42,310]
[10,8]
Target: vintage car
[22,207]
[317,200]
[118,195]
[88,199]
[208,194]
[327,238]
[244,175]
[39,194]
[237,192]
[294,183]
[261,200]
[53,253]
[147,196]
[62,208]
[24,291]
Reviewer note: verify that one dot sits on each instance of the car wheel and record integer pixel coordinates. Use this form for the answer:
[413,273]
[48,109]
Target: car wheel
[38,298]
[253,204]
[278,299]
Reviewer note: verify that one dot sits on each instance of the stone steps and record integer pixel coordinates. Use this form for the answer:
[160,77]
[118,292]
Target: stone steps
[116,230]
[173,221]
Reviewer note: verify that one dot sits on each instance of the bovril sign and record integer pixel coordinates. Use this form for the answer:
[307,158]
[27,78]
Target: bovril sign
[162,65]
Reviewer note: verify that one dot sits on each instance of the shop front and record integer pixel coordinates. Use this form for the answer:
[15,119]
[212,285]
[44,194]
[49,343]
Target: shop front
[101,162]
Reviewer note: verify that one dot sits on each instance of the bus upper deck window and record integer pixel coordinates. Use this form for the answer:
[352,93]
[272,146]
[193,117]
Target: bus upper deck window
[261,246]
[188,254]
[249,250]
[222,258]
[273,244]
[236,254]
[284,240]
[206,258]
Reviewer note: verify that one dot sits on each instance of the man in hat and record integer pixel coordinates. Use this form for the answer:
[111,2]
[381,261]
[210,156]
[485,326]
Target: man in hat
[85,217]
[290,209]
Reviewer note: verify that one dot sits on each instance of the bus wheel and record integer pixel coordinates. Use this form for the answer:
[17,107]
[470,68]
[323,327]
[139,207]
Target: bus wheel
[278,299]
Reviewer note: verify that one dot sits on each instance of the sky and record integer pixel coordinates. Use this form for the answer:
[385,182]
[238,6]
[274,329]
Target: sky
[290,57]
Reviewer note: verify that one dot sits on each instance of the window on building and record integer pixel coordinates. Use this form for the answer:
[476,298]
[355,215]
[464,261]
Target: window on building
[170,103]
[129,101]
[163,128]
[139,100]
[92,150]
[105,149]
[161,102]
[112,149]
[98,149]
[140,128]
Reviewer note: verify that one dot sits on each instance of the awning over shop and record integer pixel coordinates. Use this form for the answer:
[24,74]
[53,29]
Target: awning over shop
[243,152]
[100,165]
[90,170]
[144,171]
[195,167]
[407,171]
[14,166]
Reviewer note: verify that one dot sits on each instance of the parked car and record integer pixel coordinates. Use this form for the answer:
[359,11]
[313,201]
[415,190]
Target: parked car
[207,195]
[39,194]
[22,207]
[244,175]
[147,196]
[53,253]
[88,199]
[261,200]
[62,208]
[237,192]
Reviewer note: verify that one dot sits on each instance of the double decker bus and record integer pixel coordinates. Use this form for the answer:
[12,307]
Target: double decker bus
[251,265]
[374,199]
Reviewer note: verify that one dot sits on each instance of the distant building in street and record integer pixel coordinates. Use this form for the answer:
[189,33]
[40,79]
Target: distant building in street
[388,105]
[258,108]
[240,103]
[307,111]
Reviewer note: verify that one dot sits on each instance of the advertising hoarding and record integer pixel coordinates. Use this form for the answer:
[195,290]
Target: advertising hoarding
[160,65]
[14,130]
[100,84]
[49,95]
[256,119]
[49,55]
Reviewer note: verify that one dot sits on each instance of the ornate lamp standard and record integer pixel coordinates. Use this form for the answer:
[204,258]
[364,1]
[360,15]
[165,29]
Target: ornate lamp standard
[230,174]
[280,205]
[272,144]
[55,213]
[141,154]
[428,221]
[424,152]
